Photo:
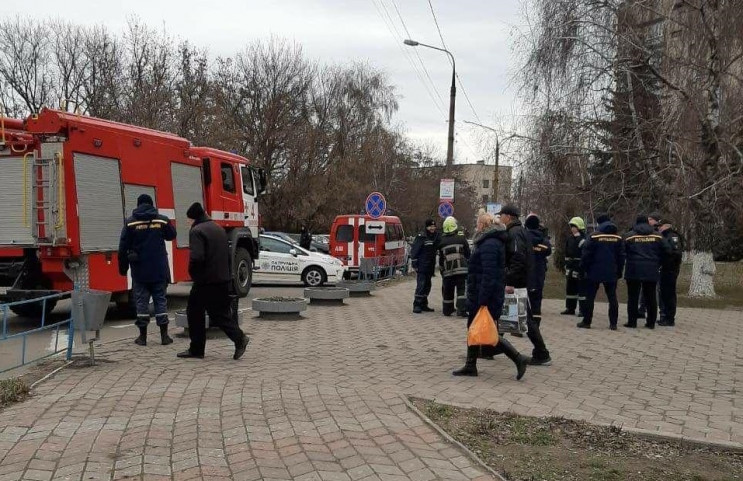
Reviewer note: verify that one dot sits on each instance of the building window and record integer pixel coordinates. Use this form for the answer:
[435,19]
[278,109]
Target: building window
[485,183]
[485,199]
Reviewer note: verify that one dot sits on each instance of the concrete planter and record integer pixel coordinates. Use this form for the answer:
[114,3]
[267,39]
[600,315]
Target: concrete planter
[181,319]
[280,307]
[326,295]
[358,288]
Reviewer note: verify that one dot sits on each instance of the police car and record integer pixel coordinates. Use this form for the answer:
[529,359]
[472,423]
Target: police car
[284,261]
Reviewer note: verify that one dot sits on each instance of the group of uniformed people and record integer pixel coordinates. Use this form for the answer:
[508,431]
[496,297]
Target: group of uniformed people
[648,256]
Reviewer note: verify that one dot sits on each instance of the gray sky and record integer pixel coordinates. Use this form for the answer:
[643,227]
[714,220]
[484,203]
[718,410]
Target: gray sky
[477,32]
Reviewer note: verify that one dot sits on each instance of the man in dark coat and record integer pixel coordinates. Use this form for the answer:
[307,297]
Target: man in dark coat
[645,251]
[209,268]
[542,249]
[305,238]
[486,287]
[142,247]
[602,262]
[669,272]
[574,283]
[454,252]
[423,255]
[519,258]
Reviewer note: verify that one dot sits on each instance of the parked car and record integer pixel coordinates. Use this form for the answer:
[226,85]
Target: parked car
[315,246]
[284,261]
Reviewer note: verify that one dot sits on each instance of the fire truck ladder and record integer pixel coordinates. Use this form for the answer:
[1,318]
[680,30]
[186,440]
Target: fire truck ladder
[47,198]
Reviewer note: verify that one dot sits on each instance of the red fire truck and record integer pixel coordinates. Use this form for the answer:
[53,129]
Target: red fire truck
[68,181]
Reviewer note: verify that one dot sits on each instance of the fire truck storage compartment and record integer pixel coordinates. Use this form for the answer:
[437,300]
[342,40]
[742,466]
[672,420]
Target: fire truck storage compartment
[14,203]
[100,207]
[132,192]
[187,189]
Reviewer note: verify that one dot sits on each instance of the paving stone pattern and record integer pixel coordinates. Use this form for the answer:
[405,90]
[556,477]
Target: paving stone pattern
[320,398]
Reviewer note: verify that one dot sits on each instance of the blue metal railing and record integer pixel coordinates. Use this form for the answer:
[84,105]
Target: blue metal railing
[5,338]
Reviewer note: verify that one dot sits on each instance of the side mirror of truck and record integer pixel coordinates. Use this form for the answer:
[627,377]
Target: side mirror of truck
[262,181]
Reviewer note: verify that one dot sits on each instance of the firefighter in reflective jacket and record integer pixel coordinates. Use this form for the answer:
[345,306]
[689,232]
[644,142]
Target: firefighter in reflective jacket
[454,254]
[574,292]
[423,255]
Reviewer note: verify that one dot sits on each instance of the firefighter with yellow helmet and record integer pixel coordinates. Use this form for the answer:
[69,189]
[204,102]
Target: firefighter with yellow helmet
[574,292]
[454,254]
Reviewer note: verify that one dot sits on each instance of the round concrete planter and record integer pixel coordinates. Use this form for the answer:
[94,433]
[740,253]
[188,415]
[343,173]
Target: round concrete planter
[280,307]
[326,295]
[358,288]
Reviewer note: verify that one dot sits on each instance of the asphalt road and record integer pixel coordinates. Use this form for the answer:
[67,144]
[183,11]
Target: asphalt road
[117,326]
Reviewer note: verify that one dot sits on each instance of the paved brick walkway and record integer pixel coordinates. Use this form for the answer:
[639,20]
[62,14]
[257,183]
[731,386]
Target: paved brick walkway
[319,399]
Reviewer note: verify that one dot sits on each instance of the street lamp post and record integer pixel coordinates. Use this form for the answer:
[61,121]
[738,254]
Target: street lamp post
[452,98]
[497,155]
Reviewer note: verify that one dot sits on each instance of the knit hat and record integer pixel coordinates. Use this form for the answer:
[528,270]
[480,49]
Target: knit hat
[577,222]
[196,211]
[450,225]
[603,218]
[510,209]
[532,222]
[641,219]
[144,199]
[430,222]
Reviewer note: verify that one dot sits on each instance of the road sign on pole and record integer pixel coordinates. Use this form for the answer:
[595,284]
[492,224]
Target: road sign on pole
[376,205]
[446,190]
[446,209]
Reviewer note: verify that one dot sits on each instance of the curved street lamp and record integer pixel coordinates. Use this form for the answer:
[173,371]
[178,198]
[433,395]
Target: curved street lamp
[452,98]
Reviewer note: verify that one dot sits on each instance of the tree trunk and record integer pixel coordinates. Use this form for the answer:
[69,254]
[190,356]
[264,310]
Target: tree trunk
[702,275]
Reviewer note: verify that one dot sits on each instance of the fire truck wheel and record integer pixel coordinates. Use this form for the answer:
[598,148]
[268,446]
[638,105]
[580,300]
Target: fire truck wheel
[313,277]
[33,310]
[243,271]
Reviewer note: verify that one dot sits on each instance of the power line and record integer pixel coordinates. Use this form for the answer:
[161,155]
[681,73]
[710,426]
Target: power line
[461,84]
[408,57]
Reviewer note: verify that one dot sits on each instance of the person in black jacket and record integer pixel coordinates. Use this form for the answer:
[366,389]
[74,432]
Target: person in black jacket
[142,247]
[519,258]
[645,251]
[574,284]
[669,273]
[454,252]
[209,268]
[486,287]
[602,261]
[305,238]
[542,249]
[423,255]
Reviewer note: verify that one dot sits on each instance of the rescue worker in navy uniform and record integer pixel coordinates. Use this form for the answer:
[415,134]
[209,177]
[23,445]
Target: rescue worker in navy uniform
[209,268]
[669,272]
[454,253]
[142,247]
[645,251]
[486,284]
[305,238]
[602,261]
[519,258]
[542,249]
[423,255]
[574,285]
[654,221]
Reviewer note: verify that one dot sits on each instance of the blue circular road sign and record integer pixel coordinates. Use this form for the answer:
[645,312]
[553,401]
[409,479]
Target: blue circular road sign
[446,209]
[376,205]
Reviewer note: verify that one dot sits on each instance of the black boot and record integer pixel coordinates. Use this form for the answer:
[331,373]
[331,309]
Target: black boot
[513,354]
[583,325]
[568,312]
[470,366]
[164,338]
[142,339]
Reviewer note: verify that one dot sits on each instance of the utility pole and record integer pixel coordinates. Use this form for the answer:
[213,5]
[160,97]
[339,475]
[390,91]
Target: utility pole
[496,173]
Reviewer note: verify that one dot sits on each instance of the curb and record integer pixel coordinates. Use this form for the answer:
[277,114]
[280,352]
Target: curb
[49,375]
[451,440]
[728,445]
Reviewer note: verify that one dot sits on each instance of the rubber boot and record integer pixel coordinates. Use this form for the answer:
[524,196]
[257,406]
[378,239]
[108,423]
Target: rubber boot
[142,339]
[513,354]
[470,366]
[164,338]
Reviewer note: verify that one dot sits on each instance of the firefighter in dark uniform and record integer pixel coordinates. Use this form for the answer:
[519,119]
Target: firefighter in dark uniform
[654,221]
[142,247]
[669,272]
[423,255]
[454,253]
[542,249]
[645,252]
[574,285]
[603,262]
